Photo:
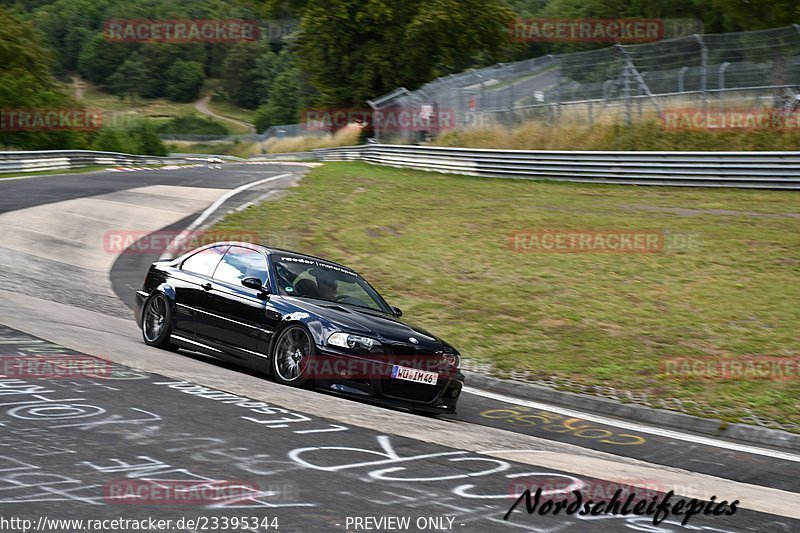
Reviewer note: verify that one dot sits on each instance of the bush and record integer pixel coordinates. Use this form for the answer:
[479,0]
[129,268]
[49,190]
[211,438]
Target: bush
[140,138]
[193,125]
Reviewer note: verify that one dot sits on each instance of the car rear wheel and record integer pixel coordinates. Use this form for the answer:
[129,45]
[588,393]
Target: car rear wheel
[157,322]
[291,355]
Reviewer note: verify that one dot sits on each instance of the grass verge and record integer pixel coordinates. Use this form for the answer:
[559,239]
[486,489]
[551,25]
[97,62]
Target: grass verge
[438,246]
[81,170]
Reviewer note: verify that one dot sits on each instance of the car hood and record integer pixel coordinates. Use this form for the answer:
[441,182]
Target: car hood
[385,328]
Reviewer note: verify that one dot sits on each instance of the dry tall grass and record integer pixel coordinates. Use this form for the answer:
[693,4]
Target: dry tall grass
[610,133]
[347,136]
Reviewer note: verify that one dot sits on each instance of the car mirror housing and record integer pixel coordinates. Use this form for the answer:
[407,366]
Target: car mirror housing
[396,311]
[255,284]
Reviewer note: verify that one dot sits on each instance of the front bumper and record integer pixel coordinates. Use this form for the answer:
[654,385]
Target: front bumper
[381,388]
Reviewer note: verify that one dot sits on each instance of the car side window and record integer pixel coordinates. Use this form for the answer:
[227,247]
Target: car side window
[240,263]
[205,261]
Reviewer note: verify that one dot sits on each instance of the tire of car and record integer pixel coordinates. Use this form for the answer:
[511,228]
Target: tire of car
[157,322]
[290,357]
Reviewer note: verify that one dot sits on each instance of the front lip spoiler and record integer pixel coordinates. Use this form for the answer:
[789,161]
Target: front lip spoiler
[388,402]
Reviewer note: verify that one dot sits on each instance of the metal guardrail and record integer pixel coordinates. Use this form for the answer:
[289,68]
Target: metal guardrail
[67,159]
[283,156]
[771,170]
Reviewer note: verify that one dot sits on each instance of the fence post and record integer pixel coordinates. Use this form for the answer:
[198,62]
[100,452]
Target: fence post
[606,85]
[376,121]
[642,86]
[703,70]
[721,83]
[626,91]
[557,115]
[626,84]
[510,107]
[681,74]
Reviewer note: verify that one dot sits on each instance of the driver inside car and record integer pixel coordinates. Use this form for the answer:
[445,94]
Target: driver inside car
[326,288]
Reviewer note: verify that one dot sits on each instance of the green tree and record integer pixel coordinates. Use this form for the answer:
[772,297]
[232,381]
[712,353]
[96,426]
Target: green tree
[738,15]
[283,106]
[353,50]
[184,81]
[67,24]
[242,74]
[100,59]
[132,78]
[26,83]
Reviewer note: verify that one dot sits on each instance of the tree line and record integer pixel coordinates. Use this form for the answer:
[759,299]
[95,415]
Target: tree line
[341,53]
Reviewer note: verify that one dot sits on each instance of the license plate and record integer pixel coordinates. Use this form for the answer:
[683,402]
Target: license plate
[415,375]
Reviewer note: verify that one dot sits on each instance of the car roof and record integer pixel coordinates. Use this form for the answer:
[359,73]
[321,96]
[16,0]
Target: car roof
[272,251]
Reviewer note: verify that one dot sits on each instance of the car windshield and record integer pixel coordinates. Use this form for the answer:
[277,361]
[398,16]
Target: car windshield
[311,278]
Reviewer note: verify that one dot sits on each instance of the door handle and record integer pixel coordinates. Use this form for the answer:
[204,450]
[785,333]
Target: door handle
[206,286]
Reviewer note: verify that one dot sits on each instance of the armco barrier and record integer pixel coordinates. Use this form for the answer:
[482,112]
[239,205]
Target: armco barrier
[66,159]
[772,170]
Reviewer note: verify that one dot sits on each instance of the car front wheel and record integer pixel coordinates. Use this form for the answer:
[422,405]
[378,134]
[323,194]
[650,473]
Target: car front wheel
[291,355]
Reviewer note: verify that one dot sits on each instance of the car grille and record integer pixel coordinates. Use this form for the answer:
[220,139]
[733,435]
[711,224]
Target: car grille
[410,355]
[408,352]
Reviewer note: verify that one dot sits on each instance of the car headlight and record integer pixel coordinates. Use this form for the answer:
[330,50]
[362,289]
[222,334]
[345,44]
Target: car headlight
[347,340]
[452,360]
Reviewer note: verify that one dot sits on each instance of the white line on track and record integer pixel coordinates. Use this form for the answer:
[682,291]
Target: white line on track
[633,426]
[178,241]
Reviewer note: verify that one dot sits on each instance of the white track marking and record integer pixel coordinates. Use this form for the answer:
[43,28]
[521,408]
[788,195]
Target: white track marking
[633,426]
[178,241]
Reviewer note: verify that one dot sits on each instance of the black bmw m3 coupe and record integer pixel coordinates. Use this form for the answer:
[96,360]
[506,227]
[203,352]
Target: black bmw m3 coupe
[303,320]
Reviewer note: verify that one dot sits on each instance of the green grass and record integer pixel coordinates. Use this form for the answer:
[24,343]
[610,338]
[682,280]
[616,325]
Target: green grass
[117,110]
[437,246]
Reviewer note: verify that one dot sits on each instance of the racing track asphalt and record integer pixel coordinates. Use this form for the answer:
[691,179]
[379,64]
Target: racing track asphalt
[493,443]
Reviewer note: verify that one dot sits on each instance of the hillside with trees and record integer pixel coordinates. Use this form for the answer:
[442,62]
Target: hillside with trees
[340,54]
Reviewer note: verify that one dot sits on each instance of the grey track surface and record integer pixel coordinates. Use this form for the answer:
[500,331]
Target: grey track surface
[85,436]
[143,430]
[66,283]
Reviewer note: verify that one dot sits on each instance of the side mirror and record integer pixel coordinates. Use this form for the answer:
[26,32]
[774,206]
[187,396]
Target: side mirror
[255,284]
[396,311]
